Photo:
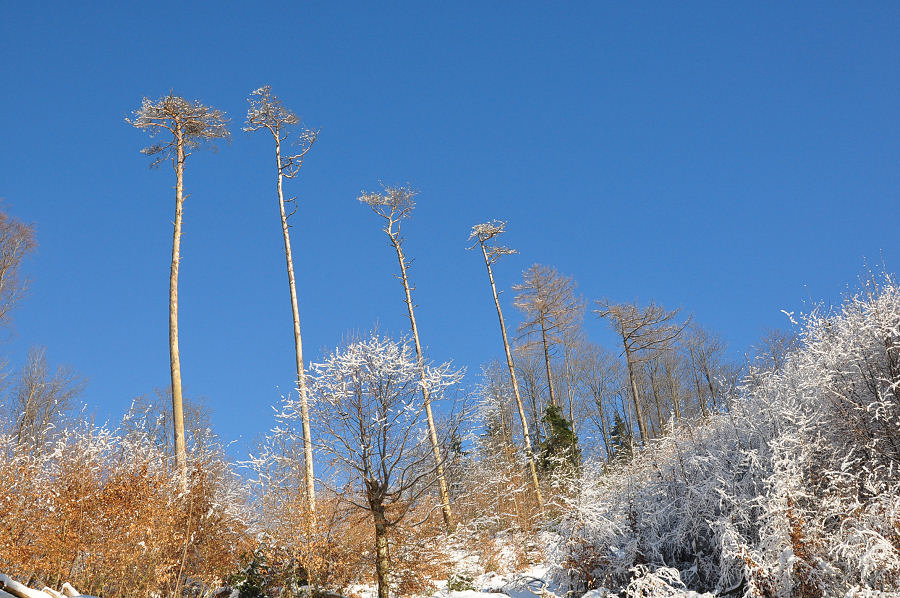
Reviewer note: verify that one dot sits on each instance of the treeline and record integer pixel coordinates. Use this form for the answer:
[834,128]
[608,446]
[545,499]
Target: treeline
[380,464]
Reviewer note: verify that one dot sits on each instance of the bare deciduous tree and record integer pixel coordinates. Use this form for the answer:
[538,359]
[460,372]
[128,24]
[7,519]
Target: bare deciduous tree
[394,206]
[267,112]
[551,309]
[484,234]
[191,125]
[644,333]
[366,397]
[41,398]
[16,242]
[602,373]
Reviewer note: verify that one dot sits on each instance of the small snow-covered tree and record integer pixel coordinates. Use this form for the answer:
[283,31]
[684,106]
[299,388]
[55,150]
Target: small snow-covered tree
[367,398]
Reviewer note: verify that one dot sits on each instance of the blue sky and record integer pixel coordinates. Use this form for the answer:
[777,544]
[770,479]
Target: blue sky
[731,159]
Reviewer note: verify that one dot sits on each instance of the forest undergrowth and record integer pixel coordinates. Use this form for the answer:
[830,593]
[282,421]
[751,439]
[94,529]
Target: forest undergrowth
[794,491]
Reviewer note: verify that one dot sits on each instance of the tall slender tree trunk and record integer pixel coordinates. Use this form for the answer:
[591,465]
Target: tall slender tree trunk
[546,345]
[536,409]
[654,385]
[709,382]
[638,412]
[529,454]
[696,376]
[605,432]
[298,346]
[174,358]
[675,402]
[420,359]
[570,384]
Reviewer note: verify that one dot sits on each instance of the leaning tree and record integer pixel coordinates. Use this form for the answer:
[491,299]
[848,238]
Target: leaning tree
[267,112]
[485,234]
[394,206]
[179,126]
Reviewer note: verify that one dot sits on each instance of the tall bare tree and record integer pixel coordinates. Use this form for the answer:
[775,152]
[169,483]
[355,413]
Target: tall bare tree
[644,333]
[267,112]
[484,235]
[551,309]
[395,205]
[183,126]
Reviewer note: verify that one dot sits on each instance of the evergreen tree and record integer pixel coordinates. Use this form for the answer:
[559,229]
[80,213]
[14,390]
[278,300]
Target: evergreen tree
[622,441]
[561,445]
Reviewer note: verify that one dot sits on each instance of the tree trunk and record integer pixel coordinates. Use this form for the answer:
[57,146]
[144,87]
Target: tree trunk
[382,557]
[529,454]
[547,362]
[570,385]
[654,385]
[420,359]
[697,384]
[298,347]
[712,391]
[675,402]
[174,358]
[638,413]
[598,401]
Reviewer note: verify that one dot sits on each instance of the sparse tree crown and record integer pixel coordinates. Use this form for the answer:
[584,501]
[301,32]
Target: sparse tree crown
[200,125]
[646,330]
[267,112]
[16,242]
[394,205]
[484,232]
[549,302]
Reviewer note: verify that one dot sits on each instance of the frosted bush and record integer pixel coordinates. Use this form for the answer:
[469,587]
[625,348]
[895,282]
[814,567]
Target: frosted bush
[795,492]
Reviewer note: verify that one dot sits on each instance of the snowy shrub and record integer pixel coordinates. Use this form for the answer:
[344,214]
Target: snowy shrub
[794,492]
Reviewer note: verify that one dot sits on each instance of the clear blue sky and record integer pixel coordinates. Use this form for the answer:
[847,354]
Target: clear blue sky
[732,159]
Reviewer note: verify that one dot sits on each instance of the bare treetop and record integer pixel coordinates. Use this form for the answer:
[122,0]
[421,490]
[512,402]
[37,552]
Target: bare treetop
[642,330]
[267,112]
[198,124]
[394,205]
[549,301]
[484,232]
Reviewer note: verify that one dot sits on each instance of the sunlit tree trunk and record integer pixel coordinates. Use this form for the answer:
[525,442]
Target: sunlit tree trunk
[432,429]
[174,358]
[512,374]
[546,346]
[298,346]
[638,412]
